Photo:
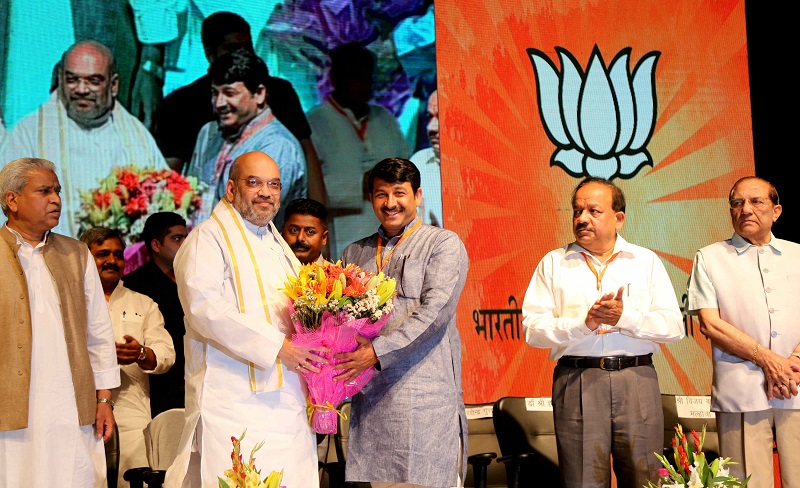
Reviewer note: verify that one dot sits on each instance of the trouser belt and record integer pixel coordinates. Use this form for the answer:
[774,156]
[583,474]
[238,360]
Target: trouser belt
[606,363]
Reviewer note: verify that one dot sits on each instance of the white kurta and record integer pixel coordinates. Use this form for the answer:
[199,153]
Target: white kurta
[138,316]
[54,446]
[214,285]
[82,156]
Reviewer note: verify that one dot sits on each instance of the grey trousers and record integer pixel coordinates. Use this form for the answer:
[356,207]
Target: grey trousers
[599,414]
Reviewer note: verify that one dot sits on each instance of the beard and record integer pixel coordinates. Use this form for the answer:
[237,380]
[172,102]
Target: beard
[253,214]
[91,117]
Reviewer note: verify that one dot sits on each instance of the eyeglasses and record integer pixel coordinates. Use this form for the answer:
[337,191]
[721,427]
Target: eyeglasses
[254,183]
[758,202]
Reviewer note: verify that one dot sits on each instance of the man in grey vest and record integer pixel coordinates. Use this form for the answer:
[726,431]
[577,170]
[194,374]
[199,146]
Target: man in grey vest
[744,290]
[418,352]
[56,342]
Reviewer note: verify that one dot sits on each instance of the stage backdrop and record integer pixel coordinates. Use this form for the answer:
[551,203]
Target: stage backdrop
[536,95]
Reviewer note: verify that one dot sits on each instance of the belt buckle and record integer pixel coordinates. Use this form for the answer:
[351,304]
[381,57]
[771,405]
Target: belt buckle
[610,363]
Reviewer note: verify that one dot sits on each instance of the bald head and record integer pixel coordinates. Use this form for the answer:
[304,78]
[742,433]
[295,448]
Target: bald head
[88,83]
[254,187]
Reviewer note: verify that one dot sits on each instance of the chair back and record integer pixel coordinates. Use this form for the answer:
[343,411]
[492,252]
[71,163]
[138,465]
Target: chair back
[669,405]
[481,438]
[112,457]
[521,430]
[161,438]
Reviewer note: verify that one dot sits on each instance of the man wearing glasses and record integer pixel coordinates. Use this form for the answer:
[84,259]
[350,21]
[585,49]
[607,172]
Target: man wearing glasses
[242,371]
[745,292]
[244,123]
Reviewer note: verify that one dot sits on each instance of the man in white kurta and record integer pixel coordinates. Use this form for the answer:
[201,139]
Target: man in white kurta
[83,130]
[144,346]
[52,444]
[241,368]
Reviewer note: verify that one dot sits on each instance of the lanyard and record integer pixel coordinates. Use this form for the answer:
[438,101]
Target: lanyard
[361,129]
[380,245]
[598,277]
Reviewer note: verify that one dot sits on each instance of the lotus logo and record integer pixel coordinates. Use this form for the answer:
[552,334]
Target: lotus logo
[600,120]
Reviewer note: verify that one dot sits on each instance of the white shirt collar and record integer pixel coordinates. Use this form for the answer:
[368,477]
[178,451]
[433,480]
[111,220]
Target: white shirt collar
[741,245]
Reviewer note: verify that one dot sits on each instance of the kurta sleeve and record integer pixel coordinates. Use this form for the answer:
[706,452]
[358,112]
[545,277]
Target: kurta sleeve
[662,321]
[100,334]
[541,320]
[158,339]
[201,270]
[440,276]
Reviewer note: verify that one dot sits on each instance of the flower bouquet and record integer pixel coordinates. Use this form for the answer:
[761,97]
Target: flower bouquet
[124,199]
[244,474]
[693,471]
[330,306]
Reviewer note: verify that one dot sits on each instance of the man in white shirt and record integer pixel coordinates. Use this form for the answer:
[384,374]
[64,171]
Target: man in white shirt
[305,229]
[83,129]
[56,342]
[242,371]
[143,346]
[603,305]
[429,162]
[745,292]
[351,136]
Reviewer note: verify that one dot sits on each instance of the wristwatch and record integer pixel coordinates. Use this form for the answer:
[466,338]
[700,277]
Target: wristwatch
[106,400]
[142,354]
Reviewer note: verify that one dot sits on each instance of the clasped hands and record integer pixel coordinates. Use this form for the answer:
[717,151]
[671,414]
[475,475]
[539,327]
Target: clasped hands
[354,363]
[606,310]
[783,375]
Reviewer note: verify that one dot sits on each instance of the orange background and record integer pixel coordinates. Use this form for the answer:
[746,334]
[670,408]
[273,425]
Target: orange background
[510,207]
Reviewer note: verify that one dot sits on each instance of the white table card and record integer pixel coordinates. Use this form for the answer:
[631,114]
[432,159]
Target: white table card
[694,407]
[544,404]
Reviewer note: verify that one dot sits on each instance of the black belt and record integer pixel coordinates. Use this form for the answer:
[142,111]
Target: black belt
[607,363]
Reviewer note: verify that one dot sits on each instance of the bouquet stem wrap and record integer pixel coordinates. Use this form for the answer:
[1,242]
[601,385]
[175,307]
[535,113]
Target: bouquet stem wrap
[337,332]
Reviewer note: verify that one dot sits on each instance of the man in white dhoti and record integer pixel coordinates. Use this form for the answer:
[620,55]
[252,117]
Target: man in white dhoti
[144,346]
[82,129]
[241,366]
[56,343]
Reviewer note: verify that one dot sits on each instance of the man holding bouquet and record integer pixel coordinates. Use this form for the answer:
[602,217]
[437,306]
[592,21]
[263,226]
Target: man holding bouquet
[418,351]
[241,367]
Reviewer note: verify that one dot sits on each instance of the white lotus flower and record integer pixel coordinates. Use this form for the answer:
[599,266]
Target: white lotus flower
[600,120]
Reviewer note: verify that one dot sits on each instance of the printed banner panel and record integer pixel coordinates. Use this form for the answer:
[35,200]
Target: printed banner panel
[536,95]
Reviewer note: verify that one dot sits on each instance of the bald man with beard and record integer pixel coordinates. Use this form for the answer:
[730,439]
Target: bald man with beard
[242,371]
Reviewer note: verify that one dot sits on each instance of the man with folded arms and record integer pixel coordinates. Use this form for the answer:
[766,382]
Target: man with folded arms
[56,343]
[745,291]
[603,304]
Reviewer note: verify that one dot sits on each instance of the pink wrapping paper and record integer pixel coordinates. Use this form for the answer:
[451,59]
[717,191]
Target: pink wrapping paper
[338,334]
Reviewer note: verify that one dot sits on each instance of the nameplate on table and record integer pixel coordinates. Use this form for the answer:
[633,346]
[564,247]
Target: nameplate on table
[694,407]
[482,412]
[544,404]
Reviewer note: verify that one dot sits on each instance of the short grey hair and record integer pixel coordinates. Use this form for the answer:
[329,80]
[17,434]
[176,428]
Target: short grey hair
[99,235]
[15,175]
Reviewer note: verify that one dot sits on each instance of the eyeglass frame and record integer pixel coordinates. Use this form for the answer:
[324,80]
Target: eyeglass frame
[757,202]
[257,184]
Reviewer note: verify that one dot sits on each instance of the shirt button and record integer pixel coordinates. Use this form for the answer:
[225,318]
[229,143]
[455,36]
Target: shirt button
[22,297]
[766,270]
[19,373]
[774,334]
[771,310]
[21,321]
[768,289]
[761,250]
[19,346]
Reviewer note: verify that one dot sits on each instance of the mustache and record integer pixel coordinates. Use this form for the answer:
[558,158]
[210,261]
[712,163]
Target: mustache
[107,266]
[263,199]
[300,247]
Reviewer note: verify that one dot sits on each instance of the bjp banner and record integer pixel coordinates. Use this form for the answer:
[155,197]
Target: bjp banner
[534,97]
